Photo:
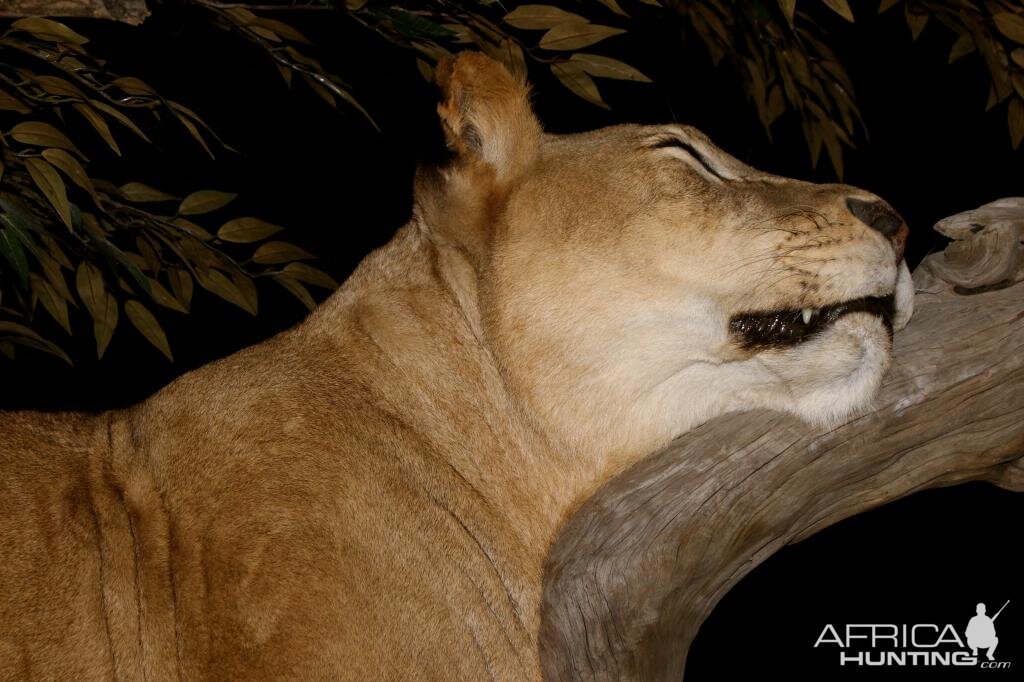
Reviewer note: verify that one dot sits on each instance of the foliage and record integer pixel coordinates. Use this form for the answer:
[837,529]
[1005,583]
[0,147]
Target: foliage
[71,241]
[57,221]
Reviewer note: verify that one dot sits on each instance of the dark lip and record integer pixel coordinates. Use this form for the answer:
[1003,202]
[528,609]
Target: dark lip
[781,328]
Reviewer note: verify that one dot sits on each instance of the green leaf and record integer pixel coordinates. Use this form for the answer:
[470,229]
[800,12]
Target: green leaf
[310,275]
[204,201]
[272,253]
[537,17]
[51,300]
[1010,25]
[147,325]
[244,230]
[49,183]
[14,253]
[886,5]
[296,289]
[42,134]
[139,192]
[572,76]
[606,67]
[100,303]
[574,35]
[50,30]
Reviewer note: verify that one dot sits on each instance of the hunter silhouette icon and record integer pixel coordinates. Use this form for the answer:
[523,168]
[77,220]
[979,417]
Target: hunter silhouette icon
[981,631]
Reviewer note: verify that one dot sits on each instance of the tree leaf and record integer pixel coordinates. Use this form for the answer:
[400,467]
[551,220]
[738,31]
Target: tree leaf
[147,325]
[69,164]
[43,135]
[194,132]
[181,285]
[916,21]
[574,35]
[273,253]
[1010,25]
[58,86]
[1018,57]
[216,282]
[572,76]
[840,7]
[310,275]
[13,251]
[139,192]
[98,122]
[606,67]
[614,6]
[244,230]
[49,183]
[1015,117]
[160,295]
[191,228]
[24,336]
[964,45]
[886,5]
[133,86]
[282,29]
[537,17]
[788,8]
[297,289]
[204,201]
[120,117]
[47,29]
[100,303]
[51,300]
[9,102]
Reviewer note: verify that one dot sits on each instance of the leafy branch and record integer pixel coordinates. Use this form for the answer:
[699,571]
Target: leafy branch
[58,222]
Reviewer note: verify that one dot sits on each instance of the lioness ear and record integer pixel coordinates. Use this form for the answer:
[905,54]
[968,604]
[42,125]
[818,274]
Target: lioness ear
[486,115]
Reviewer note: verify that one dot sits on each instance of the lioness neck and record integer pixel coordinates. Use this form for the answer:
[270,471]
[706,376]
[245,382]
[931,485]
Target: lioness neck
[410,308]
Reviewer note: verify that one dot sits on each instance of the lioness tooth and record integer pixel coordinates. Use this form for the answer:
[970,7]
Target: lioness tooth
[808,313]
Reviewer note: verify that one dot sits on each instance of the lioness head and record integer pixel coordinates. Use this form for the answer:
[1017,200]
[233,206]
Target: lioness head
[636,280]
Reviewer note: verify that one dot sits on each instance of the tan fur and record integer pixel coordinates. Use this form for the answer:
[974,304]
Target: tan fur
[371,494]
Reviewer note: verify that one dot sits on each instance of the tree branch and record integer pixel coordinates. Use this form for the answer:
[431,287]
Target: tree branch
[636,571]
[128,11]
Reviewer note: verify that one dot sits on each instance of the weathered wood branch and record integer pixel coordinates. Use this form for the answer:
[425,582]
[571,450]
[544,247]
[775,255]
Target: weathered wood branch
[128,11]
[641,565]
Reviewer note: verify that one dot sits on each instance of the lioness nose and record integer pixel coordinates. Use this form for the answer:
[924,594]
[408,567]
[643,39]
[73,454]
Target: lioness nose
[880,217]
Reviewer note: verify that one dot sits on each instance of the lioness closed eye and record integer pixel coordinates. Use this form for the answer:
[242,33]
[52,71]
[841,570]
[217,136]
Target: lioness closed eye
[371,494]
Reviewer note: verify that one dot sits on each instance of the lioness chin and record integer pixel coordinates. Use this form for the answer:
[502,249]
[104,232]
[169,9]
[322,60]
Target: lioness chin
[371,494]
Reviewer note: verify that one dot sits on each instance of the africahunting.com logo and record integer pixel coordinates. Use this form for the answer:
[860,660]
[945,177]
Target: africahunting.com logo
[921,644]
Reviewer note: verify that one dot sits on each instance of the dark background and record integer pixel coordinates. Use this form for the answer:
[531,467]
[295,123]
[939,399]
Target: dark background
[341,188]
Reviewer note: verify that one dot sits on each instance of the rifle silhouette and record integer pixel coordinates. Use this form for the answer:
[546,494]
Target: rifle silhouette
[1000,611]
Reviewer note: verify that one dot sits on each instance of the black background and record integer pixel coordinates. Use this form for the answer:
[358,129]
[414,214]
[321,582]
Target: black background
[341,188]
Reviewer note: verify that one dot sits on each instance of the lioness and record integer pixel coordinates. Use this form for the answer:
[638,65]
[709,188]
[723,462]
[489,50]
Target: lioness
[371,494]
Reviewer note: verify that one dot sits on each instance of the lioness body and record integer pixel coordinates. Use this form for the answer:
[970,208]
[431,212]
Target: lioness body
[371,495]
[306,508]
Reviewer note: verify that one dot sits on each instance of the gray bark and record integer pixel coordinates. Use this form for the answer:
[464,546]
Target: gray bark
[129,11]
[635,572]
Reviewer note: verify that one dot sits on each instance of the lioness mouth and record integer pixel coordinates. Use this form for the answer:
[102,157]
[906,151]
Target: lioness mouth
[755,331]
